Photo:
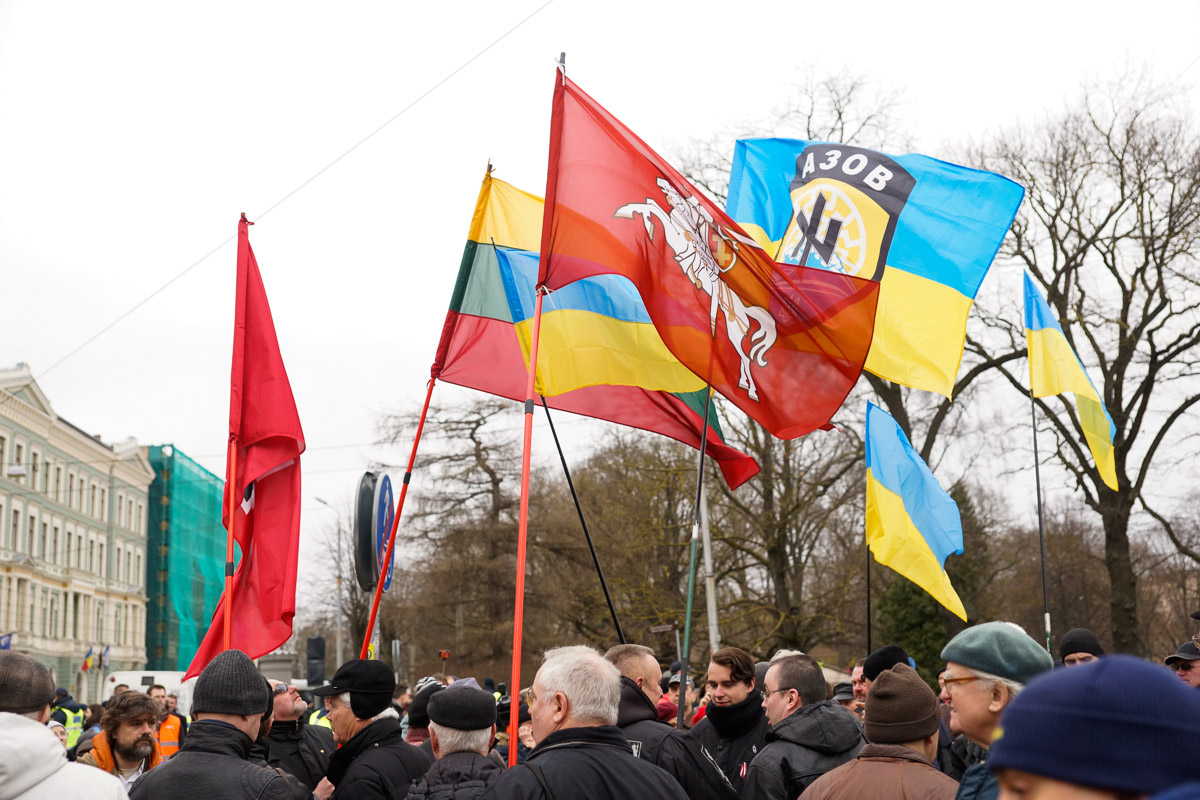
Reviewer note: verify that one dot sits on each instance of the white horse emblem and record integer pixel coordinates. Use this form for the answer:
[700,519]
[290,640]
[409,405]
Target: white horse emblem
[689,231]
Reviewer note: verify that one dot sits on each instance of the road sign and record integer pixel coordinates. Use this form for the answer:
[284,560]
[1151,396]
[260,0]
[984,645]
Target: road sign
[381,522]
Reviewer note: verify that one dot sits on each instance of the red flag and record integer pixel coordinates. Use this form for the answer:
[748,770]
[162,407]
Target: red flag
[265,428]
[784,343]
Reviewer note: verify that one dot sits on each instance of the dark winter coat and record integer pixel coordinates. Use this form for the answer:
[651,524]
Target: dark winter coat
[685,758]
[457,776]
[301,749]
[800,748]
[734,735]
[978,783]
[377,764]
[212,763]
[883,772]
[592,763]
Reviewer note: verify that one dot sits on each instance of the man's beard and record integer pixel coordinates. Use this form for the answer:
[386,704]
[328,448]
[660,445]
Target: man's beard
[140,750]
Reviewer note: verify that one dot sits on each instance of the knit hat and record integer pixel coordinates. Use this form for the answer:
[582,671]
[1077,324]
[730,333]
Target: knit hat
[418,711]
[900,707]
[25,685]
[1002,649]
[231,684]
[370,684]
[1118,724]
[463,706]
[1186,652]
[1079,640]
[884,658]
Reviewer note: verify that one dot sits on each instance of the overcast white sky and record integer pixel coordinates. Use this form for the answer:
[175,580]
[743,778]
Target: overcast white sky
[133,134]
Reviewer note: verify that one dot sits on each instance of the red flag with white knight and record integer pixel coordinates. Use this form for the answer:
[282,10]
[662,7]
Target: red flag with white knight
[265,428]
[784,343]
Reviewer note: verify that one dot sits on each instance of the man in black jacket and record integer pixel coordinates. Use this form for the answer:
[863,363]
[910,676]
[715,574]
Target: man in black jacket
[374,762]
[809,734]
[734,728]
[227,709]
[685,758]
[462,725]
[294,746]
[580,752]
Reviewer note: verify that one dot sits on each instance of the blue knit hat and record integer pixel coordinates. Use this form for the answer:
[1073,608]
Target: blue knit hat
[1118,724]
[1002,649]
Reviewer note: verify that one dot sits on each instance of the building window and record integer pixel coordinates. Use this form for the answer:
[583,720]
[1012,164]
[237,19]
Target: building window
[31,541]
[3,442]
[104,504]
[70,502]
[58,484]
[137,574]
[15,533]
[91,556]
[54,545]
[102,567]
[129,518]
[33,471]
[43,541]
[128,564]
[18,460]
[92,502]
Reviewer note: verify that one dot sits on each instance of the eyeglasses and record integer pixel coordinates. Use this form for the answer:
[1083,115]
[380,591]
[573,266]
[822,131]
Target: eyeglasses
[769,692]
[280,689]
[1182,666]
[946,683]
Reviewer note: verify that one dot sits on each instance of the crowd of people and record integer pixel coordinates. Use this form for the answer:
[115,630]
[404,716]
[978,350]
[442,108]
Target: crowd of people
[1008,722]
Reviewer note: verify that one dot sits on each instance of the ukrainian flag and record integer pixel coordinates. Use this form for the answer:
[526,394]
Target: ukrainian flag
[912,524]
[1054,369]
[926,229]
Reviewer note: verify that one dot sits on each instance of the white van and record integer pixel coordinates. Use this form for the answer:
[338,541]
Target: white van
[142,680]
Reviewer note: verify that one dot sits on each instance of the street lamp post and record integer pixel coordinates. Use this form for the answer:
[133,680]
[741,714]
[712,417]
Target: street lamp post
[338,567]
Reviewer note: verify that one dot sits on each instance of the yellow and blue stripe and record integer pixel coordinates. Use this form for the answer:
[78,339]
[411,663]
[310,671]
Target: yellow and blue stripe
[912,524]
[1054,369]
[943,244]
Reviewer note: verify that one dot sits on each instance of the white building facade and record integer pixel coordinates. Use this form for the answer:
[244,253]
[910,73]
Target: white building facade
[73,557]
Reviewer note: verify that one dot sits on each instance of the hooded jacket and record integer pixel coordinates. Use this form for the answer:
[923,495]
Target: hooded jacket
[212,763]
[685,758]
[101,755]
[376,764]
[34,766]
[883,772]
[734,735]
[800,748]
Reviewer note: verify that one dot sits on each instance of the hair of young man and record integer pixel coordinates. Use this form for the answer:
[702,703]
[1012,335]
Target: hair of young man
[631,661]
[156,686]
[452,740]
[782,654]
[803,674]
[590,683]
[862,662]
[387,713]
[737,661]
[129,707]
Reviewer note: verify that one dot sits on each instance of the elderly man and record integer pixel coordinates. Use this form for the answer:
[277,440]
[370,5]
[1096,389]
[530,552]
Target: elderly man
[299,749]
[1117,728]
[684,757]
[986,667]
[462,725]
[580,752]
[734,728]
[33,763]
[373,761]
[1184,664]
[227,711]
[1079,646]
[809,734]
[902,731]
[126,745]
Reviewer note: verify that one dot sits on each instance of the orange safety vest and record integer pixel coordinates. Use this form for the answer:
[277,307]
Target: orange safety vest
[168,736]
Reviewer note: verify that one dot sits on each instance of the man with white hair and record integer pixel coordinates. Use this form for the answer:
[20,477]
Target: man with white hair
[374,762]
[462,725]
[33,763]
[580,752]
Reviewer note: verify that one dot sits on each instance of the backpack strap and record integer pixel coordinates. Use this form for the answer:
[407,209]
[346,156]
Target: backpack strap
[541,778]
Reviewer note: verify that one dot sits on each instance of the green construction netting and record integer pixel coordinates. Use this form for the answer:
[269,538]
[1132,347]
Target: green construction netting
[186,557]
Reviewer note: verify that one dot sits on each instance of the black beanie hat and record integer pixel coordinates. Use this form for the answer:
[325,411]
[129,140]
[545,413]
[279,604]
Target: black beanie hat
[418,712]
[231,684]
[1079,640]
[882,659]
[462,706]
[901,707]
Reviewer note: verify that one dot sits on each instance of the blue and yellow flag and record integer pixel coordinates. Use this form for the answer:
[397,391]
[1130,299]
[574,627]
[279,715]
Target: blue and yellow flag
[1054,368]
[926,229]
[912,524]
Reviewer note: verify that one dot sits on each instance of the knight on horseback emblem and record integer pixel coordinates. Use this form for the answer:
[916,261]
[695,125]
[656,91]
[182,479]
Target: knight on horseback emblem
[691,232]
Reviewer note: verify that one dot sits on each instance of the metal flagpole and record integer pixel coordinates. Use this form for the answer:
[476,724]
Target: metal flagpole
[691,594]
[1037,473]
[387,558]
[710,578]
[232,481]
[869,648]
[583,522]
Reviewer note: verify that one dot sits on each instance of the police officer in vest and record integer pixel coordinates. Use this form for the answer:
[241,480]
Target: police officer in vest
[71,714]
[172,731]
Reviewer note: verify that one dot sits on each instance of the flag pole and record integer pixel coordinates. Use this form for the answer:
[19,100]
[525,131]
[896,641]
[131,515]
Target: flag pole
[869,650]
[583,522]
[1037,473]
[523,525]
[227,640]
[387,558]
[691,593]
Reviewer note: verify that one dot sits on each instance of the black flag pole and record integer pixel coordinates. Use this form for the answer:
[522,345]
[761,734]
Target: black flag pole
[1037,473]
[583,522]
[691,594]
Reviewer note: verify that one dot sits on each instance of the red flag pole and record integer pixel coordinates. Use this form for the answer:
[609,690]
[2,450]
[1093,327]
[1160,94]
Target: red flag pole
[387,558]
[233,492]
[522,527]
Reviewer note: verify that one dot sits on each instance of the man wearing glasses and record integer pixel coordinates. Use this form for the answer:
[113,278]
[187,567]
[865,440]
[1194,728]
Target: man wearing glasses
[1184,665]
[297,748]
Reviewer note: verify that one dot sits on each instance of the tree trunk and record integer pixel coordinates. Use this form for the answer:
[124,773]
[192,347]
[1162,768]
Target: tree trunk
[1123,601]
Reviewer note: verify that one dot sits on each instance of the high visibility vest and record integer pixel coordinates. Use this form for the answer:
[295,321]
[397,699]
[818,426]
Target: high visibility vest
[168,736]
[319,718]
[73,724]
